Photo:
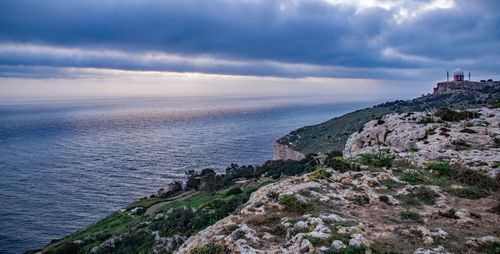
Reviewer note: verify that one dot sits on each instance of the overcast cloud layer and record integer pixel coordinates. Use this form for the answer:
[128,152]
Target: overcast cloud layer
[286,38]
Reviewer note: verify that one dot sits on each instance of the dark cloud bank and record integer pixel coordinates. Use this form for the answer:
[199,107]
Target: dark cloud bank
[269,38]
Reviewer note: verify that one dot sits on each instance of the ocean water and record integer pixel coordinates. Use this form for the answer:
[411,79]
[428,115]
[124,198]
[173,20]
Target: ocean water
[67,164]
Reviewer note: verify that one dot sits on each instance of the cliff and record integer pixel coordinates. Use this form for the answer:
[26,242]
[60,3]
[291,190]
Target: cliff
[383,197]
[333,134]
[284,152]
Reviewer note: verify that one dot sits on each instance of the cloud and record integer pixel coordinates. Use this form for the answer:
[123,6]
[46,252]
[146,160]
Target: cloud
[289,38]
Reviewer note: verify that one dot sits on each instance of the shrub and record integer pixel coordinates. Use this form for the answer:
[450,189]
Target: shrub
[319,173]
[474,178]
[453,116]
[384,199]
[496,142]
[419,196]
[340,164]
[234,191]
[349,250]
[469,192]
[210,248]
[413,149]
[292,204]
[383,158]
[413,177]
[460,144]
[442,168]
[426,120]
[495,104]
[408,215]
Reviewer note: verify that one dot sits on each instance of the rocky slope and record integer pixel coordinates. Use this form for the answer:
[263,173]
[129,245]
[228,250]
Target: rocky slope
[284,152]
[333,134]
[472,138]
[420,195]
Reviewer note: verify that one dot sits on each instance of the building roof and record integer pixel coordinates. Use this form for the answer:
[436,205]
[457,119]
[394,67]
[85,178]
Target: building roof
[458,71]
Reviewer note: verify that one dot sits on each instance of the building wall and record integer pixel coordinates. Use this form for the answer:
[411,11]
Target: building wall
[451,86]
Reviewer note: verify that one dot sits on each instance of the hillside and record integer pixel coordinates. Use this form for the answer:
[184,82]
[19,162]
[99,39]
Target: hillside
[332,134]
[380,198]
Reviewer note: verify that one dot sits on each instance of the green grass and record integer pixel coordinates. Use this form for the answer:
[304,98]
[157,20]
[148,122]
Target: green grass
[113,224]
[470,192]
[413,177]
[292,204]
[441,168]
[407,215]
[419,196]
[145,202]
[382,158]
[210,248]
[348,250]
[203,198]
[319,173]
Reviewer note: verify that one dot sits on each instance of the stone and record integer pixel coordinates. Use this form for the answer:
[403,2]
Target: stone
[357,240]
[438,250]
[300,226]
[337,245]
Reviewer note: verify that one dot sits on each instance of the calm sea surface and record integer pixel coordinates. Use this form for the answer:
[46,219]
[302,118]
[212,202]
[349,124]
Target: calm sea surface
[64,165]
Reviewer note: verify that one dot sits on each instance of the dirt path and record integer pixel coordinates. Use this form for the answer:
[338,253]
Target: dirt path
[154,208]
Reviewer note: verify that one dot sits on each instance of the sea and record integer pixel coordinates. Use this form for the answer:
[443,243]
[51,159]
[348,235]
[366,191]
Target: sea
[65,164]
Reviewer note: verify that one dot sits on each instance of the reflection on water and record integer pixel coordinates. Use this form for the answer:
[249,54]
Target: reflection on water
[64,165]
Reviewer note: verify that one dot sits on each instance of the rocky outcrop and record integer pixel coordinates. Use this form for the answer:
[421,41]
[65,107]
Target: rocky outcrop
[347,210]
[284,152]
[423,137]
[373,207]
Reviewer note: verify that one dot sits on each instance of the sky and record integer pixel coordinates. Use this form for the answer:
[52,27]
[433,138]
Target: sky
[357,50]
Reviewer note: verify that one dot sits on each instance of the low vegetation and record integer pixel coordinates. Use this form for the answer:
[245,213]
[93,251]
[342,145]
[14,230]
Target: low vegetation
[382,158]
[454,116]
[408,215]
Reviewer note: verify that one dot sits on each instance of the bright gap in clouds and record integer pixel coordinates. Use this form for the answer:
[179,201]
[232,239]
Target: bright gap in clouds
[90,83]
[402,10]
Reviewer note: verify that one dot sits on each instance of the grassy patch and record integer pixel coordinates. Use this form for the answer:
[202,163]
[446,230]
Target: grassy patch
[340,164]
[210,248]
[408,215]
[391,184]
[470,192]
[348,250]
[383,158]
[203,198]
[419,196]
[442,168]
[413,177]
[292,204]
[319,173]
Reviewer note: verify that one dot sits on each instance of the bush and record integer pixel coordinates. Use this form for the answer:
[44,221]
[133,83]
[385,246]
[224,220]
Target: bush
[408,215]
[210,248]
[234,191]
[292,204]
[474,178]
[340,164]
[469,192]
[442,168]
[453,116]
[319,173]
[419,196]
[384,199]
[383,158]
[413,177]
[496,142]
